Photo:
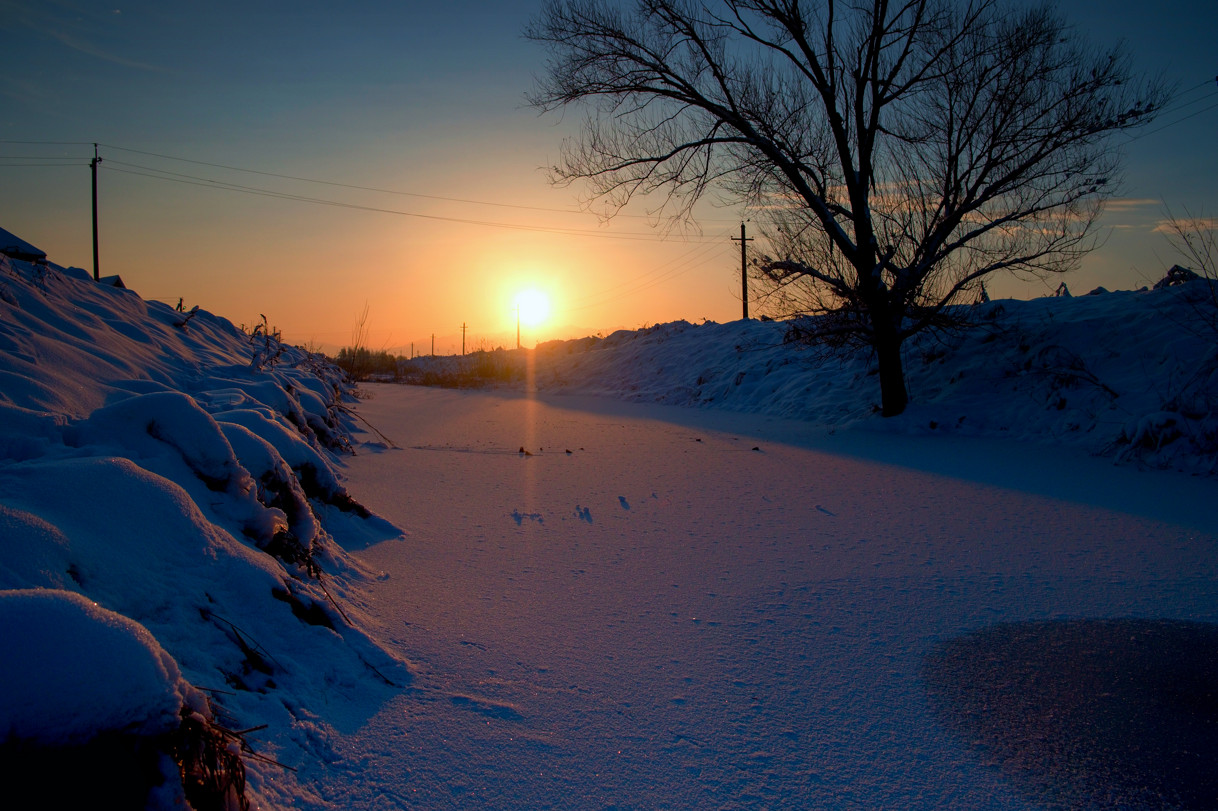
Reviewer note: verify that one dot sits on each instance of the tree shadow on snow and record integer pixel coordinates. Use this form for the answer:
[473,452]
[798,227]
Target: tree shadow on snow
[1091,713]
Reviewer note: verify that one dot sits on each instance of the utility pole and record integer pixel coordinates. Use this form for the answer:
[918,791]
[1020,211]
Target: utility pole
[517,326]
[433,344]
[93,165]
[463,339]
[744,268]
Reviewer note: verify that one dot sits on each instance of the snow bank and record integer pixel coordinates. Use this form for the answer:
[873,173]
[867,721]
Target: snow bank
[169,504]
[73,669]
[1131,375]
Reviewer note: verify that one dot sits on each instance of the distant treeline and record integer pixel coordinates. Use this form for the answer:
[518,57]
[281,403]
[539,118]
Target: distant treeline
[478,368]
[361,363]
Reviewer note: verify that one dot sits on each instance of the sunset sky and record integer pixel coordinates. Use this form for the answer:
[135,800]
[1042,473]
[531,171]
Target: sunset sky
[422,105]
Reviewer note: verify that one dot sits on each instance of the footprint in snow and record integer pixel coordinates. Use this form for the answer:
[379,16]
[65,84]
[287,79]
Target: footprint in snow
[583,513]
[488,707]
[625,504]
[519,517]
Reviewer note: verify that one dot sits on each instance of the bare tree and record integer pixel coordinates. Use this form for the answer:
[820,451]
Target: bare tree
[1194,238]
[355,359]
[898,151]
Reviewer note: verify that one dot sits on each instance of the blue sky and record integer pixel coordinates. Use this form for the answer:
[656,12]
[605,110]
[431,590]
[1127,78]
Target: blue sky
[424,98]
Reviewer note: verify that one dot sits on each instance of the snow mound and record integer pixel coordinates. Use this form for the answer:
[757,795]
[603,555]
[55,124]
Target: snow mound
[74,669]
[173,514]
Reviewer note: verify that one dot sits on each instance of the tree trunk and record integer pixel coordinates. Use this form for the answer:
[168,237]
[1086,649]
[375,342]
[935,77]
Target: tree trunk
[893,395]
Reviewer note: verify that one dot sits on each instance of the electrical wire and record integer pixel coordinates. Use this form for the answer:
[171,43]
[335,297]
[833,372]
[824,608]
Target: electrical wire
[623,289]
[723,251]
[337,184]
[1179,103]
[644,279]
[47,143]
[698,257]
[175,177]
[1141,135]
[704,251]
[1210,83]
[301,179]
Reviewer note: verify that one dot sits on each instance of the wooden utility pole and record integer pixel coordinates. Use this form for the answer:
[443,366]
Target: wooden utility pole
[462,338]
[744,269]
[433,344]
[93,165]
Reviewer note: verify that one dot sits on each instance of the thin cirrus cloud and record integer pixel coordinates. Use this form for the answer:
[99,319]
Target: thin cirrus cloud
[1127,204]
[1187,224]
[60,22]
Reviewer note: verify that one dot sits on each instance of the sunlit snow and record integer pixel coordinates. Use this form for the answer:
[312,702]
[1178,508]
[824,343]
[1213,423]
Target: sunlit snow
[687,566]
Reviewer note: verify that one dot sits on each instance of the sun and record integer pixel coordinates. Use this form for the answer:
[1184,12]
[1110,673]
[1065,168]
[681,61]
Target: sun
[533,307]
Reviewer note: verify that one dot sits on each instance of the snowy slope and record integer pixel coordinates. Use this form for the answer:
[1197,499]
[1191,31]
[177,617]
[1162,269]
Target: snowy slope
[174,479]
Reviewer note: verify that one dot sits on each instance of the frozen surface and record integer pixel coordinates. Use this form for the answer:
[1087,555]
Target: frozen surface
[687,611]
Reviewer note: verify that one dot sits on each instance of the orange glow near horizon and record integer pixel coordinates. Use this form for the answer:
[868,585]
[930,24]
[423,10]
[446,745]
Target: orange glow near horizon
[427,204]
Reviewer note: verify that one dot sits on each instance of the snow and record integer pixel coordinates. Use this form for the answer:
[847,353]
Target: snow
[667,617]
[119,484]
[685,566]
[106,671]
[1125,373]
[13,245]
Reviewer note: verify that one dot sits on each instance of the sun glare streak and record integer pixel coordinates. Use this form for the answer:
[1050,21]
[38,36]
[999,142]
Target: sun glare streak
[530,431]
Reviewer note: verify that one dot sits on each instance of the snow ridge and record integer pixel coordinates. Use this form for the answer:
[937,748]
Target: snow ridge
[169,492]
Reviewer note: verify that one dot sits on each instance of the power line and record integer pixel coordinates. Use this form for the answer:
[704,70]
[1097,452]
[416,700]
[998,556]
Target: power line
[1180,104]
[697,257]
[1174,123]
[1181,100]
[176,177]
[722,251]
[48,143]
[376,189]
[337,184]
[644,280]
[193,180]
[1198,86]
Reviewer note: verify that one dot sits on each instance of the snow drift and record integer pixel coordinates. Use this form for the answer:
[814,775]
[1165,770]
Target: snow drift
[167,492]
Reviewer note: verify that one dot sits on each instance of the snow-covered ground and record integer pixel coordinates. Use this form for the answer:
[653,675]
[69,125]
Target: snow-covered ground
[698,609]
[1129,374]
[562,599]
